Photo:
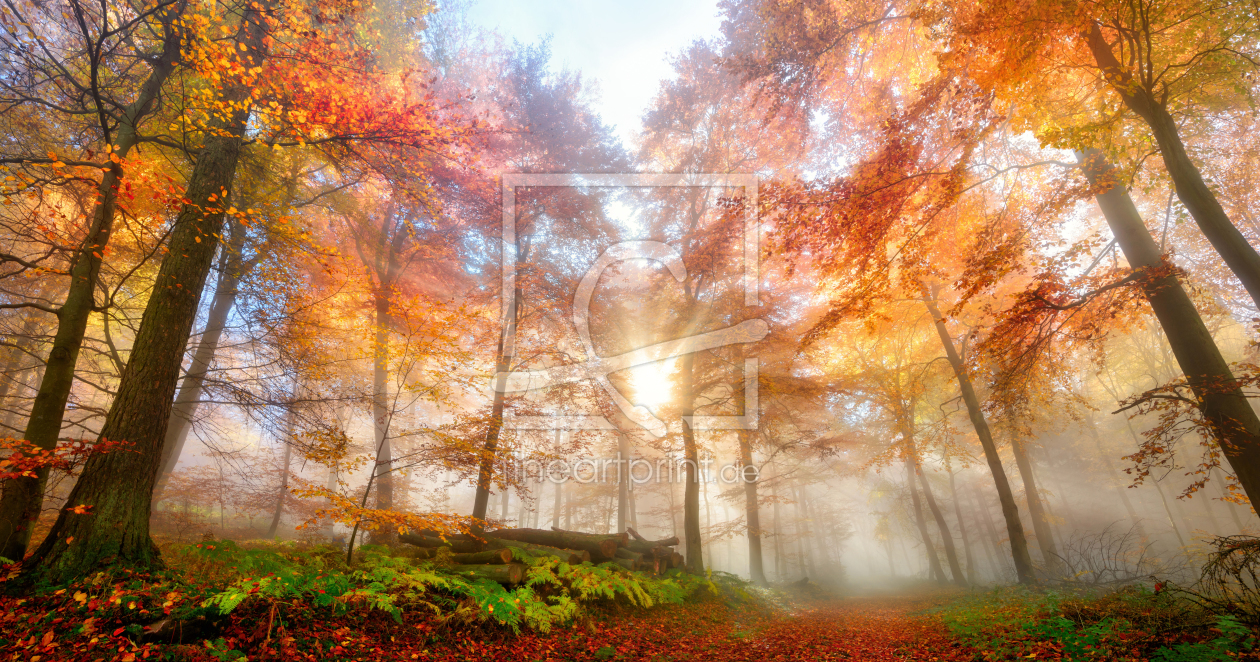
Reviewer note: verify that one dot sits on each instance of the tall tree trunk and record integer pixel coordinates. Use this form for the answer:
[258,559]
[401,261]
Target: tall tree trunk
[21,499]
[559,485]
[507,346]
[691,482]
[504,501]
[1041,525]
[184,410]
[934,563]
[802,534]
[9,382]
[989,542]
[779,569]
[947,539]
[962,528]
[708,516]
[14,413]
[888,550]
[382,416]
[330,528]
[286,438]
[1235,426]
[1010,511]
[752,510]
[233,266]
[117,531]
[1239,255]
[816,543]
[623,481]
[634,511]
[568,511]
[994,540]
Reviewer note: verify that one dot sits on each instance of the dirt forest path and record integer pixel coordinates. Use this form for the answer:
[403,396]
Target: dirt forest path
[858,629]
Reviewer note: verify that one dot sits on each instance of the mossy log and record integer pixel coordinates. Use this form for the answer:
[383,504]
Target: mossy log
[602,547]
[628,564]
[490,556]
[411,552]
[573,556]
[624,553]
[510,573]
[467,546]
[457,546]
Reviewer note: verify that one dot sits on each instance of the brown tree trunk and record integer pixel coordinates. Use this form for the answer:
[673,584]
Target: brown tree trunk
[601,546]
[232,268]
[752,510]
[1010,511]
[962,528]
[1041,525]
[802,535]
[934,563]
[21,499]
[779,568]
[947,539]
[994,540]
[14,413]
[623,481]
[184,410]
[694,550]
[117,530]
[382,416]
[504,500]
[286,438]
[10,382]
[1235,426]
[559,485]
[507,346]
[1239,255]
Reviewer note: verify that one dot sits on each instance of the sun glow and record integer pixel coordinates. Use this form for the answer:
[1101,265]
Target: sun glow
[653,384]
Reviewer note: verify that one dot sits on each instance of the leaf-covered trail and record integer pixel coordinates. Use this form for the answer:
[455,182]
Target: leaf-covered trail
[870,628]
[854,629]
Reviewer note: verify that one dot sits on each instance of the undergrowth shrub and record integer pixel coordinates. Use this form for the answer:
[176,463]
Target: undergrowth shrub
[1230,579]
[1134,622]
[554,592]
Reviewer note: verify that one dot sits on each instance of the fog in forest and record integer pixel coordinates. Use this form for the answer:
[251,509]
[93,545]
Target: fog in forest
[331,303]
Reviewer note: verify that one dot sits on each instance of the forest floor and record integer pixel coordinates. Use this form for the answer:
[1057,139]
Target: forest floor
[869,628]
[221,603]
[812,627]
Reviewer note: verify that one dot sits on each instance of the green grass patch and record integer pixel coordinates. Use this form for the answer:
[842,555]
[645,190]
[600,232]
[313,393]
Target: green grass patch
[1132,623]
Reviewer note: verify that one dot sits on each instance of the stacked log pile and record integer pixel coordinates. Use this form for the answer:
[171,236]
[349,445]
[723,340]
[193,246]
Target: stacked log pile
[490,557]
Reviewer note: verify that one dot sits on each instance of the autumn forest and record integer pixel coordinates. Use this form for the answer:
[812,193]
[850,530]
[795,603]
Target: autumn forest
[861,330]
